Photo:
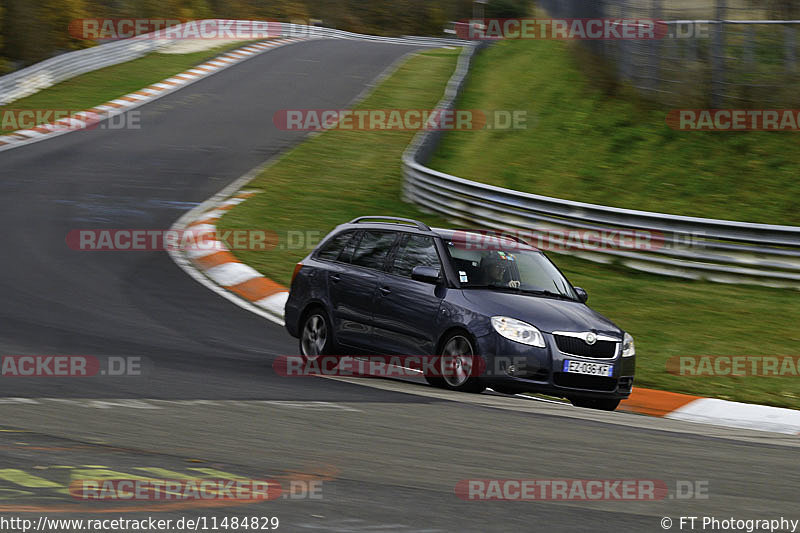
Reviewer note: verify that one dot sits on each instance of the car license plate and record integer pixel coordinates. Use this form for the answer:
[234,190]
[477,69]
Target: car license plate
[590,369]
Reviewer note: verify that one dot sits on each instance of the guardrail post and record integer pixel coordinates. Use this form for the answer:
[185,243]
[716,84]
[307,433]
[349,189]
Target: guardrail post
[718,57]
[790,43]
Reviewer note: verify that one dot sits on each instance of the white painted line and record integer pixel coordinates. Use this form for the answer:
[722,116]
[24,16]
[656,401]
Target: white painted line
[153,403]
[121,102]
[739,415]
[230,274]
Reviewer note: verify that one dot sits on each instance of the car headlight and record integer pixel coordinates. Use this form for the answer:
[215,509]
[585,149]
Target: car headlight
[628,349]
[518,331]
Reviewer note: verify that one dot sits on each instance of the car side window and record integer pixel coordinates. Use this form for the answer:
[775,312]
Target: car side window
[332,250]
[371,252]
[417,250]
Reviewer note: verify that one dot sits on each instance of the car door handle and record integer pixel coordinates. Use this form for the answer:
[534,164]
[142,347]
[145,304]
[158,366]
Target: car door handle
[335,278]
[385,291]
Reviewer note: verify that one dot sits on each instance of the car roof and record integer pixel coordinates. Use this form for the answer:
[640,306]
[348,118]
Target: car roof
[449,234]
[495,237]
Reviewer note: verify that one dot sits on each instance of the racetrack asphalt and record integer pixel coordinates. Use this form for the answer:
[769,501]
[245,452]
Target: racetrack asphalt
[390,456]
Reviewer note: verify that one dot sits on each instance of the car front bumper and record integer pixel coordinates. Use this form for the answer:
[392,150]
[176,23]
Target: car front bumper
[515,367]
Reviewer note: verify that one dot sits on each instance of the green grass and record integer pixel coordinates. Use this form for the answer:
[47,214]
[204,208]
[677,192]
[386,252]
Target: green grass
[95,88]
[591,141]
[338,175]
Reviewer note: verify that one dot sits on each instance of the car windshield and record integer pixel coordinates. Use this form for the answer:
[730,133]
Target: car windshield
[503,264]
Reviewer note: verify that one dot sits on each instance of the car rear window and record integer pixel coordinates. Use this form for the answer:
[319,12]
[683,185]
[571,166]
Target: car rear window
[331,250]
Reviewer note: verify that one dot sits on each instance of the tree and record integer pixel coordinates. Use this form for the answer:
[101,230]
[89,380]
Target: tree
[5,65]
[54,17]
[784,9]
[41,27]
[507,9]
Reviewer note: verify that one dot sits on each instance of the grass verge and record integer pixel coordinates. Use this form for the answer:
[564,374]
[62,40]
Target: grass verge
[338,175]
[590,140]
[98,87]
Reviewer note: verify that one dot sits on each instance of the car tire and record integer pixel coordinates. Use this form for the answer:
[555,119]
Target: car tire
[603,404]
[458,350]
[316,335]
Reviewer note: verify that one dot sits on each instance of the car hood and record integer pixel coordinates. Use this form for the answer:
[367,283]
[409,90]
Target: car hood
[547,314]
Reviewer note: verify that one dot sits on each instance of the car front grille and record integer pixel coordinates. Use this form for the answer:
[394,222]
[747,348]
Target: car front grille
[576,346]
[580,381]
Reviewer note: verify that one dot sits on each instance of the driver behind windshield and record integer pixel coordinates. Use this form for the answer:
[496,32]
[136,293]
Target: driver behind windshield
[498,269]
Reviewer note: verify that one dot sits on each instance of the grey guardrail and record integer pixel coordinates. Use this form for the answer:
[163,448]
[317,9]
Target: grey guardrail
[689,247]
[51,71]
[62,67]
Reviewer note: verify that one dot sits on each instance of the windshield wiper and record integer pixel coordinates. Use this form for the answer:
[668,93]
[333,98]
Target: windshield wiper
[518,290]
[545,292]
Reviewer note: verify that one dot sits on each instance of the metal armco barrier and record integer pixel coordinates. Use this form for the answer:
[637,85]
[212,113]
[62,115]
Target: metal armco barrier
[695,248]
[62,67]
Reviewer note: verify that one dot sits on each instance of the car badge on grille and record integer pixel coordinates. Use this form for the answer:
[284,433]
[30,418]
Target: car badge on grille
[590,338]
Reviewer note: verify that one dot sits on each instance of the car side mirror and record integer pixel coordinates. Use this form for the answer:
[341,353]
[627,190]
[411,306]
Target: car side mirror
[582,294]
[426,274]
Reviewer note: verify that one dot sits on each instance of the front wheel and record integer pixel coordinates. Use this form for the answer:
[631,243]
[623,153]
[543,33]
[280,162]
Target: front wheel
[456,366]
[603,404]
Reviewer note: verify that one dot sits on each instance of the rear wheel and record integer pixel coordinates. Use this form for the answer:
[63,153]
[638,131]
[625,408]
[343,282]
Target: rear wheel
[456,365]
[316,335]
[603,404]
